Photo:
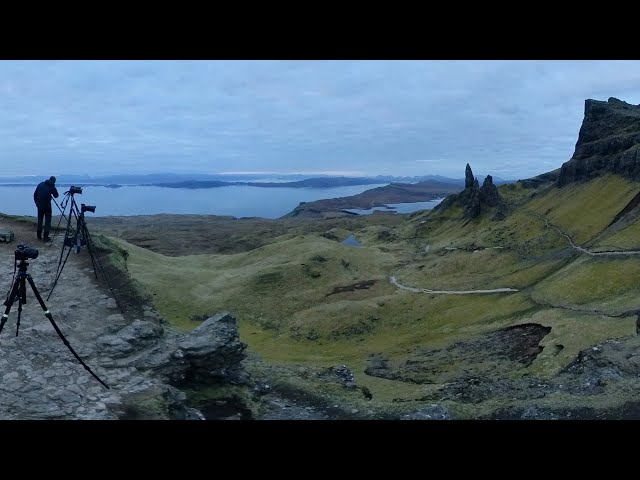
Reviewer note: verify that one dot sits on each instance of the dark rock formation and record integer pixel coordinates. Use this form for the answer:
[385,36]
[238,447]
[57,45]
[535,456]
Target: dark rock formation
[490,197]
[489,193]
[468,177]
[474,198]
[608,142]
[500,352]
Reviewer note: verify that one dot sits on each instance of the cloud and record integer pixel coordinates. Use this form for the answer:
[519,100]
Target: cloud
[402,117]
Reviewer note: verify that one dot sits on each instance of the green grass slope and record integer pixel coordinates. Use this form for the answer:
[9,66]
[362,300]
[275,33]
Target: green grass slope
[310,300]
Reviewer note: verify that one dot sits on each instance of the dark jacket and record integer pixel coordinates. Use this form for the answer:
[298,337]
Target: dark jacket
[42,194]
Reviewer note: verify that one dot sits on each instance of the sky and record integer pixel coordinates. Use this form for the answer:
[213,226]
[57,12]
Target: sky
[510,119]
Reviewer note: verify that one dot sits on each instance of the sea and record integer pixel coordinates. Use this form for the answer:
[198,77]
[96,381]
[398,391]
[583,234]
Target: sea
[237,201]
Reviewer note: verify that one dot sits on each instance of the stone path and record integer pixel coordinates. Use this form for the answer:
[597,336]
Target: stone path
[39,377]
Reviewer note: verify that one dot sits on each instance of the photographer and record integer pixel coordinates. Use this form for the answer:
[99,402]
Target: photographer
[42,198]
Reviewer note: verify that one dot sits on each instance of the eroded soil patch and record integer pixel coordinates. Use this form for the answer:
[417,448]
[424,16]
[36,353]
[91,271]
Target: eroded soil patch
[496,353]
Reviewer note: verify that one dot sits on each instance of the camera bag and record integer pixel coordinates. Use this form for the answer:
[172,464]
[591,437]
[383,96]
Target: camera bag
[6,235]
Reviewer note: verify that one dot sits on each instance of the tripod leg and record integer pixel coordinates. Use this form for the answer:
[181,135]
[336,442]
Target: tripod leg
[22,299]
[85,235]
[64,242]
[62,215]
[91,248]
[47,314]
[9,303]
[55,282]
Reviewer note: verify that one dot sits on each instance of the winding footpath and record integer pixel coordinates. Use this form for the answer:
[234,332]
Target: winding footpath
[393,280]
[581,249]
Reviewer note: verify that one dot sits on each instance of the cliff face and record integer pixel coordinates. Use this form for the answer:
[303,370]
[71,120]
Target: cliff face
[608,142]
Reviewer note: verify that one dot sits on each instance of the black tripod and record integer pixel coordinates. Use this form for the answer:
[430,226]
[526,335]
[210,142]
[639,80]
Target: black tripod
[68,195]
[19,291]
[75,238]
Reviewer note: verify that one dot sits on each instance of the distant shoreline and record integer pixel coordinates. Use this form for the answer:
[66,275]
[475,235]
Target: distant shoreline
[191,185]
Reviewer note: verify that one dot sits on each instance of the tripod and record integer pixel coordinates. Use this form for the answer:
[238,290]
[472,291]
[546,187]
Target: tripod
[19,291]
[81,237]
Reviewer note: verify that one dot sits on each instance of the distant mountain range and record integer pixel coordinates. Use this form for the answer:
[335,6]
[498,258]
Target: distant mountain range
[172,180]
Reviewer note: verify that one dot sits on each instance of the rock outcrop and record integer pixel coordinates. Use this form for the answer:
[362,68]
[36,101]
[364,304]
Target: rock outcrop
[471,199]
[489,194]
[475,199]
[608,142]
[468,177]
[209,354]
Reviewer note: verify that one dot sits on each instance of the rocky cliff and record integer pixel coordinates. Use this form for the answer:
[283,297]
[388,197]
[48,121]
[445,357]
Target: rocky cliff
[608,142]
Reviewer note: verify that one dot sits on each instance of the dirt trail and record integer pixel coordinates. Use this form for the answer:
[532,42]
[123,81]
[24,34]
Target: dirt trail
[393,280]
[582,249]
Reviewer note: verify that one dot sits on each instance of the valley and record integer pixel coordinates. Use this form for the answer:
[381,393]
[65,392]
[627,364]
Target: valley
[511,301]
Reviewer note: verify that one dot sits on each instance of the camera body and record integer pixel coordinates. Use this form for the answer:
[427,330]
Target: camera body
[73,190]
[24,251]
[87,208]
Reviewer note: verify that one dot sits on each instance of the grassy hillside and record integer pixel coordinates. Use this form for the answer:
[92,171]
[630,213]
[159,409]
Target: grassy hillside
[267,285]
[599,283]
[306,300]
[624,237]
[585,209]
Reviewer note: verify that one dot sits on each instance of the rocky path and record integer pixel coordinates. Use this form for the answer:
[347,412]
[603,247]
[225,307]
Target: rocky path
[39,377]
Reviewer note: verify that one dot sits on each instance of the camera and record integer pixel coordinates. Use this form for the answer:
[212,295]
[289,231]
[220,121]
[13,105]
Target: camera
[73,190]
[87,208]
[23,252]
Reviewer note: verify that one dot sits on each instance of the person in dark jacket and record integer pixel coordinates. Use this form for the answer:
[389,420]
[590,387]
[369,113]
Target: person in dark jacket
[42,198]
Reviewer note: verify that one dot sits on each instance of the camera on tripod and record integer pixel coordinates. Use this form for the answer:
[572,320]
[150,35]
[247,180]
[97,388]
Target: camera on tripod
[73,190]
[23,252]
[87,208]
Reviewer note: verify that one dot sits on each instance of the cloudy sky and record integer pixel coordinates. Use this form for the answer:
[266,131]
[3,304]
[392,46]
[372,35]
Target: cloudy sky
[512,119]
